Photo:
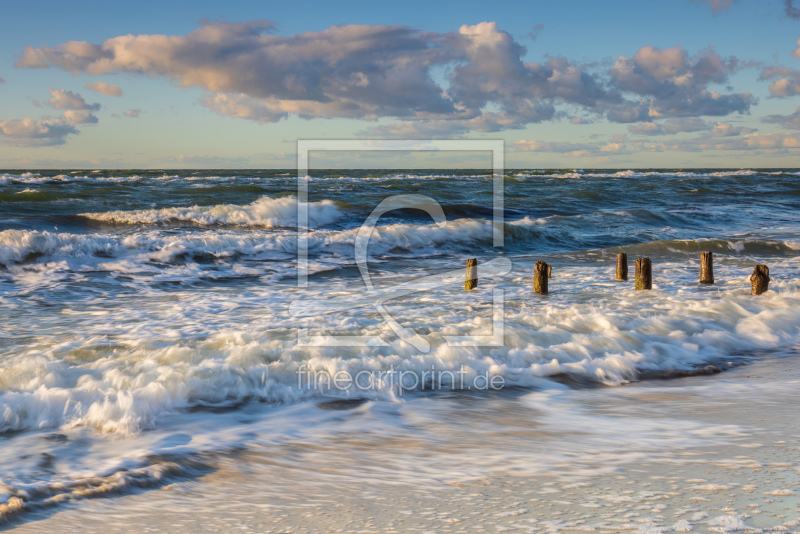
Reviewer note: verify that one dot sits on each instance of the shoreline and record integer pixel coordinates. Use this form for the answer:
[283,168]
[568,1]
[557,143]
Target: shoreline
[651,456]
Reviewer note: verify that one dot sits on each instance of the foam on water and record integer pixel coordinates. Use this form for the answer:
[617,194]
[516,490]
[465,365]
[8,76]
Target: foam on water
[147,312]
[265,211]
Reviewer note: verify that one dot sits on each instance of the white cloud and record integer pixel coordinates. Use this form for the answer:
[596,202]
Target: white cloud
[133,113]
[669,127]
[62,99]
[49,131]
[373,72]
[673,84]
[32,132]
[108,89]
[787,81]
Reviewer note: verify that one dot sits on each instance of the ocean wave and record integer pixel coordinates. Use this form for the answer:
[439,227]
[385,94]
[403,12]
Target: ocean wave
[630,173]
[128,387]
[736,246]
[266,212]
[457,236]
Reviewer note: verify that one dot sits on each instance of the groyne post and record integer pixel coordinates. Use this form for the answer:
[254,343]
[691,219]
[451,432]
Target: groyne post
[471,276]
[622,266]
[540,277]
[644,274]
[706,268]
[759,280]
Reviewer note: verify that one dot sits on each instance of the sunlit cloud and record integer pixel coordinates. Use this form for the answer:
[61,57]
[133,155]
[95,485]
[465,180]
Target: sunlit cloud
[108,89]
[375,72]
[48,131]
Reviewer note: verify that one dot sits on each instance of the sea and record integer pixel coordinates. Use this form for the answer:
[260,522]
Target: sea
[178,339]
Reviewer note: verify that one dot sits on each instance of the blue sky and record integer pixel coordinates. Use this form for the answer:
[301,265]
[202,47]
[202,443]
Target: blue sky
[566,84]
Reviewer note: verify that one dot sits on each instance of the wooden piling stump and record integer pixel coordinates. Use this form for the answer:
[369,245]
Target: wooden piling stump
[471,276]
[549,271]
[622,266]
[643,274]
[759,280]
[540,277]
[706,268]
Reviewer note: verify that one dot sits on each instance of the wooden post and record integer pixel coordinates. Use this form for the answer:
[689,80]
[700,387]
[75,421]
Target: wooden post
[549,271]
[706,268]
[643,274]
[471,276]
[622,266]
[540,277]
[759,279]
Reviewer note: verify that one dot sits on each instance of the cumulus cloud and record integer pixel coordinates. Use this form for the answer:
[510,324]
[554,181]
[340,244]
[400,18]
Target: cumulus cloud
[752,141]
[32,132]
[108,89]
[719,136]
[49,131]
[673,84]
[787,121]
[133,113]
[62,99]
[616,145]
[787,81]
[374,72]
[670,126]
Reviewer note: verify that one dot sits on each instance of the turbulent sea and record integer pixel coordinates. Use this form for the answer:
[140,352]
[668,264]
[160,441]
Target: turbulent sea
[145,325]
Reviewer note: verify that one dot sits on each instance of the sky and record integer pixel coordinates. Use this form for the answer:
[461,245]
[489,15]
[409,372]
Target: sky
[568,84]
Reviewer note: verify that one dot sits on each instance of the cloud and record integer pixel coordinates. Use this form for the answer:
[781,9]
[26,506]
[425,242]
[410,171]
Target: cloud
[108,89]
[203,159]
[787,81]
[786,84]
[2,80]
[670,126]
[791,11]
[133,113]
[49,131]
[744,140]
[373,72]
[717,6]
[718,137]
[62,99]
[791,121]
[616,145]
[673,84]
[31,132]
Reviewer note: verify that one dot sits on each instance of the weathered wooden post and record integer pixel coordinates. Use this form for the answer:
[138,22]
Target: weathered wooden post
[759,280]
[540,277]
[643,274]
[706,268]
[471,276]
[549,271]
[622,266]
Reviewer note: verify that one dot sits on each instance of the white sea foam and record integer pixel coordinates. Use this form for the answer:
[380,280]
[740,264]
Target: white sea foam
[265,211]
[172,354]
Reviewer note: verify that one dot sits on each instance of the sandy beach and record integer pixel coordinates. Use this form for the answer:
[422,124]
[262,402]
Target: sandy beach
[704,454]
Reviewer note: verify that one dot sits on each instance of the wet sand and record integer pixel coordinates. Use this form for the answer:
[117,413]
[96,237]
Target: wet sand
[704,454]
